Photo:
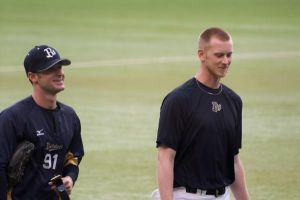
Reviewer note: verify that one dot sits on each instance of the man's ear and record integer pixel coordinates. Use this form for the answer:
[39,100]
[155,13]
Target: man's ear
[201,55]
[32,77]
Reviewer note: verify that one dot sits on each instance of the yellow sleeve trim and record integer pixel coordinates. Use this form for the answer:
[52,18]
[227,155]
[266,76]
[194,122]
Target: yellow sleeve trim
[70,159]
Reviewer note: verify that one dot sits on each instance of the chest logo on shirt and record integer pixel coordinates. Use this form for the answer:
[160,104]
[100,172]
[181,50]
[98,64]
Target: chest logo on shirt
[40,132]
[53,147]
[216,107]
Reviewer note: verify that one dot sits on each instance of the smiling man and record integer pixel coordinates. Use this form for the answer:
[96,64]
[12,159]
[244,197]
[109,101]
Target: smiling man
[51,126]
[200,131]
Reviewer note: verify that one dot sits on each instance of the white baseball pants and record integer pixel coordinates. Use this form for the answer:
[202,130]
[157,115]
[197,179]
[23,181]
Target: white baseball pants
[180,194]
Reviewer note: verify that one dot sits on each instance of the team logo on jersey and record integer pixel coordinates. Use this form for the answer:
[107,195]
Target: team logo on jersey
[50,52]
[216,107]
[53,147]
[40,132]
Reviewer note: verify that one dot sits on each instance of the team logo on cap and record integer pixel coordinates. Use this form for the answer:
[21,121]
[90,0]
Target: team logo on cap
[50,52]
[216,107]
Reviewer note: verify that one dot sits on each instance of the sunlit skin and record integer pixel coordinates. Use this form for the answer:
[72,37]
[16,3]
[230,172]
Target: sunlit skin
[215,57]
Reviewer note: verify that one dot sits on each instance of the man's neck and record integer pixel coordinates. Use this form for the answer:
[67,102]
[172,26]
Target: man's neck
[209,81]
[46,101]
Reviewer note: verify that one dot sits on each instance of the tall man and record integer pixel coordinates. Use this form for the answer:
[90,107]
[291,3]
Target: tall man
[53,128]
[200,130]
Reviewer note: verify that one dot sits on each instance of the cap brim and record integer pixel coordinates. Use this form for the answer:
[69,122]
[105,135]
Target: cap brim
[63,62]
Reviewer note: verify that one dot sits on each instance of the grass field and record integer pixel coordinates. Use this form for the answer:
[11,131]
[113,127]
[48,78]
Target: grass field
[128,54]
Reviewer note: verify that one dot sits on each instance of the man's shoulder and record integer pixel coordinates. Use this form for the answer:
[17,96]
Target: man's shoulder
[183,90]
[230,92]
[180,96]
[64,106]
[66,109]
[20,108]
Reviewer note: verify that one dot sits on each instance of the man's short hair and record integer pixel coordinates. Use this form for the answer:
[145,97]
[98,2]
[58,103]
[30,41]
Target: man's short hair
[209,33]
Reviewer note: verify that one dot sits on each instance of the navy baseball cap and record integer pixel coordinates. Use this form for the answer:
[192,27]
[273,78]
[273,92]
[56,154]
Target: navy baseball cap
[43,57]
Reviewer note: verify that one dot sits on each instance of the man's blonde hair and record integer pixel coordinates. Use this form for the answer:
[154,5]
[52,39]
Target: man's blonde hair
[209,33]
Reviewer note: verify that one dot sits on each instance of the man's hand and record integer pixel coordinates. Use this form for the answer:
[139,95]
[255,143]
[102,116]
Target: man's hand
[62,186]
[68,183]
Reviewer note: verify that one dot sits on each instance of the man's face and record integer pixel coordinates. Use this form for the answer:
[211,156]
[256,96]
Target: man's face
[217,57]
[50,81]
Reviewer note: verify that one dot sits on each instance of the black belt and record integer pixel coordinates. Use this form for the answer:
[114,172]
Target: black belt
[216,192]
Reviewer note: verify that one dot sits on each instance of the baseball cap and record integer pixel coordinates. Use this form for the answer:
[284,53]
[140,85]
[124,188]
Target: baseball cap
[43,57]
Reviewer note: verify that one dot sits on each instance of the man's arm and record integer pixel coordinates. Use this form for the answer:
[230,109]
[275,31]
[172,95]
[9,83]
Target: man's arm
[165,174]
[8,143]
[3,184]
[73,156]
[239,188]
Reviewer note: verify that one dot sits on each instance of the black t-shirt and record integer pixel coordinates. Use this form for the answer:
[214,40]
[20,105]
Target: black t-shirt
[204,127]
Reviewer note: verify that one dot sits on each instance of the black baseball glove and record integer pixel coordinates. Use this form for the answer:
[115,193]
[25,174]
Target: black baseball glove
[18,162]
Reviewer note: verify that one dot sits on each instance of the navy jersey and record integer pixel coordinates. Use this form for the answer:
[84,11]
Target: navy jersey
[203,126]
[58,146]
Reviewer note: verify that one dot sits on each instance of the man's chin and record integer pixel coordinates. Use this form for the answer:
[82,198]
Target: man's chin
[60,87]
[222,75]
[57,90]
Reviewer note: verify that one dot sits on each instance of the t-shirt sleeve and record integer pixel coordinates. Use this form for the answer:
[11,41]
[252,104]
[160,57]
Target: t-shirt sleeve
[239,127]
[171,121]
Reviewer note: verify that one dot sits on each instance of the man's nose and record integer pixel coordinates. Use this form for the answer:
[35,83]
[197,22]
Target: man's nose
[226,60]
[59,72]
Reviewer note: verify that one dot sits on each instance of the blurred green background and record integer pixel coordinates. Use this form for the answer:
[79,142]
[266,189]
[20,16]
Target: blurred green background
[127,55]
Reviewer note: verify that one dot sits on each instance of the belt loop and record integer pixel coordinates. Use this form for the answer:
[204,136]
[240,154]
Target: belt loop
[190,190]
[220,191]
[216,193]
